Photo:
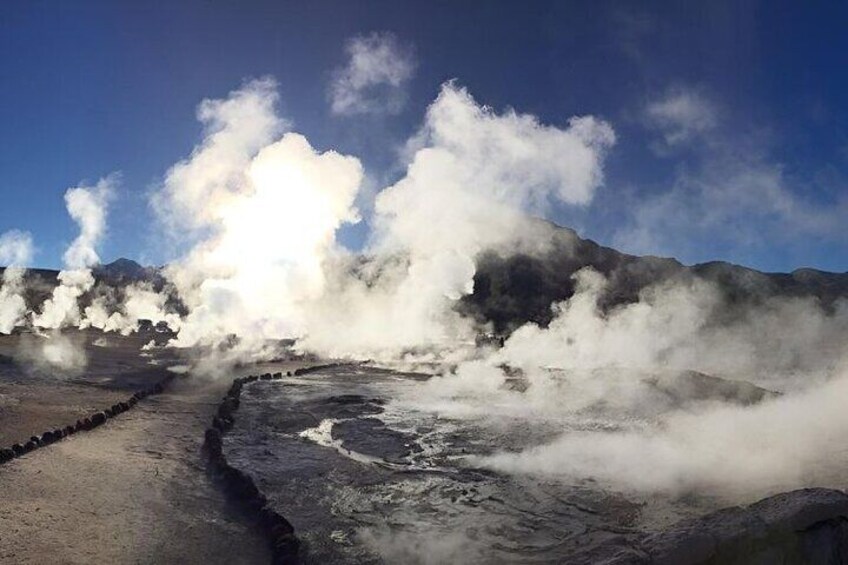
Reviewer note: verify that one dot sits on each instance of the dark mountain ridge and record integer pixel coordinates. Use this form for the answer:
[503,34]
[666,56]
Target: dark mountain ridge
[512,288]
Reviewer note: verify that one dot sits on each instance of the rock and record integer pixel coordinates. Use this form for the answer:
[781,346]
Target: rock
[227,408]
[277,376]
[266,377]
[109,413]
[69,430]
[36,440]
[274,523]
[801,526]
[47,438]
[58,433]
[242,487]
[30,446]
[18,449]
[285,550]
[213,441]
[98,418]
[6,454]
[799,509]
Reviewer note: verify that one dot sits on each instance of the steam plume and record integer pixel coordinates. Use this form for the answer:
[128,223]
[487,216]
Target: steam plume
[87,206]
[15,254]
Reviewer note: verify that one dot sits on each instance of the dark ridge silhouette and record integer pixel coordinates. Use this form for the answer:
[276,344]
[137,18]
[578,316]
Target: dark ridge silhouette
[516,288]
[510,290]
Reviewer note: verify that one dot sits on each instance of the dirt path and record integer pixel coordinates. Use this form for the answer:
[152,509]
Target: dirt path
[134,490]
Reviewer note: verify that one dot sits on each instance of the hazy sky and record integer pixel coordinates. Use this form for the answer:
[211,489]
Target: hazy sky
[730,118]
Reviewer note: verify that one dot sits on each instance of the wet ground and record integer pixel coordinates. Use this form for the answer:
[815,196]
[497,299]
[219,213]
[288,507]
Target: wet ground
[363,481]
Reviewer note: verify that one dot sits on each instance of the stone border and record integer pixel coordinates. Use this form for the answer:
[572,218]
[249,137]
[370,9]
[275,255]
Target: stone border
[88,423]
[238,485]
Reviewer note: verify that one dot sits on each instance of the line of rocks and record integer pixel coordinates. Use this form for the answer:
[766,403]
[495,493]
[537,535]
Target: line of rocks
[83,424]
[238,485]
[315,368]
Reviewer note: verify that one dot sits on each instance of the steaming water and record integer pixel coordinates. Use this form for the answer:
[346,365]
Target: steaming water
[366,477]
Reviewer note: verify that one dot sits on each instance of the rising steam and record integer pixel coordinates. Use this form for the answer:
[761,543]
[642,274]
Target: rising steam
[87,206]
[15,253]
[256,208]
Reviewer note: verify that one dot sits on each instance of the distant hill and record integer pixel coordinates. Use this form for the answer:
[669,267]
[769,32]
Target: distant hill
[510,290]
[110,281]
[126,270]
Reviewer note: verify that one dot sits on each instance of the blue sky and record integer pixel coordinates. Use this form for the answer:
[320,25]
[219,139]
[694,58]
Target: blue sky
[730,117]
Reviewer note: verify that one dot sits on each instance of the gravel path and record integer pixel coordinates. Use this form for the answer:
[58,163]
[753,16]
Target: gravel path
[134,490]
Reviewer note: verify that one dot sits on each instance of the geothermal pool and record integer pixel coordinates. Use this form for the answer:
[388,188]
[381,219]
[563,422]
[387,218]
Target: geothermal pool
[364,476]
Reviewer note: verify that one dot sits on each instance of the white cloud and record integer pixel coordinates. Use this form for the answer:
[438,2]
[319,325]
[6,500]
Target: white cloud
[375,77]
[729,191]
[681,115]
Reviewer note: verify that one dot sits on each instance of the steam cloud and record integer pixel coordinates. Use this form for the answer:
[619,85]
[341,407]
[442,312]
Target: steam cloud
[15,252]
[631,414]
[87,206]
[256,209]
[374,78]
[270,266]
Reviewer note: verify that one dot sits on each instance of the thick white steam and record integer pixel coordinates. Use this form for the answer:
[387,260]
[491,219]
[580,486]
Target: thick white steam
[618,385]
[87,205]
[269,209]
[267,264]
[15,254]
[472,177]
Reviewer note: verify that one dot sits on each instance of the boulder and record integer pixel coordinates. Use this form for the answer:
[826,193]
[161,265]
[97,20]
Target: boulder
[227,408]
[213,441]
[98,418]
[18,449]
[801,526]
[6,454]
